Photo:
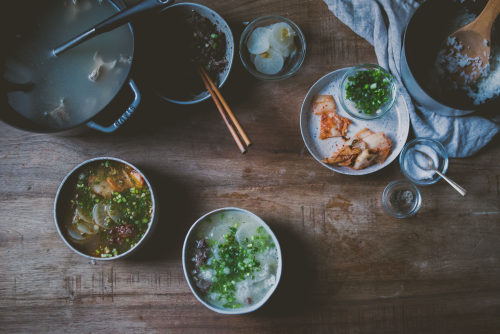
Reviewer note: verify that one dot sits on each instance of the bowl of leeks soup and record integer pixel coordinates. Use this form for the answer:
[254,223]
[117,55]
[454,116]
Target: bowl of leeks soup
[44,93]
[105,209]
[232,261]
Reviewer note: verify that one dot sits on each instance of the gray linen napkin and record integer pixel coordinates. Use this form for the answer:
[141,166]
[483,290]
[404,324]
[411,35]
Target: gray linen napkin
[381,23]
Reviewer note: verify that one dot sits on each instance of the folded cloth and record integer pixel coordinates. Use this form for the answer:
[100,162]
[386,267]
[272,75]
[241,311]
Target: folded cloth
[381,23]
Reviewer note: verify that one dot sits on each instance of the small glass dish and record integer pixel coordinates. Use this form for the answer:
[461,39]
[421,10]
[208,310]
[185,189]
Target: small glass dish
[401,199]
[412,169]
[292,63]
[350,107]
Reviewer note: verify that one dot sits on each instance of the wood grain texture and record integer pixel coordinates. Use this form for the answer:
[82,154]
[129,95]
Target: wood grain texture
[348,267]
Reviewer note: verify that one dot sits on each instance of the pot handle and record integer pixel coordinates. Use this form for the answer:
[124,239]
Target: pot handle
[124,117]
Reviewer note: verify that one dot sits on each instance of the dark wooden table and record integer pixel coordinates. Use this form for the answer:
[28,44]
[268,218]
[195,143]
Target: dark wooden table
[348,266]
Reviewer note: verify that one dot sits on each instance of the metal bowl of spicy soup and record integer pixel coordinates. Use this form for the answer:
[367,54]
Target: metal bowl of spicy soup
[105,209]
[77,90]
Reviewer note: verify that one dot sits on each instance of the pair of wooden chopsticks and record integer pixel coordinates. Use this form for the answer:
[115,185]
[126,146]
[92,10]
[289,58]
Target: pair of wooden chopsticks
[223,109]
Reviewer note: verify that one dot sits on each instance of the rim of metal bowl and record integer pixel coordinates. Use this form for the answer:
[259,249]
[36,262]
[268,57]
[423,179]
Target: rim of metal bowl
[279,268]
[416,205]
[275,77]
[152,221]
[442,153]
[353,70]
[229,38]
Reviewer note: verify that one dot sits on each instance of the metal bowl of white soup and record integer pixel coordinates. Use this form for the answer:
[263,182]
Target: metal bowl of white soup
[232,261]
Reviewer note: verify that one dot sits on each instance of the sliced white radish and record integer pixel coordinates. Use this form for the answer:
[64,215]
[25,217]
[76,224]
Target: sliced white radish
[81,226]
[262,274]
[282,35]
[73,233]
[217,233]
[269,62]
[246,231]
[285,50]
[258,42]
[113,213]
[252,58]
[83,216]
[84,228]
[99,215]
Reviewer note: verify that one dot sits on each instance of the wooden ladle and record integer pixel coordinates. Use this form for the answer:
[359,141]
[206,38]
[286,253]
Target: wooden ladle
[475,38]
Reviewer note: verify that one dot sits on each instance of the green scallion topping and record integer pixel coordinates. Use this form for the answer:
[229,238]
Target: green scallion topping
[369,90]
[236,262]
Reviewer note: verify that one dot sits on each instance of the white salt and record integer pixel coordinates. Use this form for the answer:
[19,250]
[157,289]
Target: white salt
[414,162]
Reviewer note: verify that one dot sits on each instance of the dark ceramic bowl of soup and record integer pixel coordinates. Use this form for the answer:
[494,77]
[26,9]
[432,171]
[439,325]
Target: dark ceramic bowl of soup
[170,45]
[105,209]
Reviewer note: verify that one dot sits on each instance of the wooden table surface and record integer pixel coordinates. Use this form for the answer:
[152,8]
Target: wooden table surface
[348,266]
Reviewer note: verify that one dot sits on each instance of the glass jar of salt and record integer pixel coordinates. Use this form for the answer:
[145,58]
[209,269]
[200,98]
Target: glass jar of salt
[413,164]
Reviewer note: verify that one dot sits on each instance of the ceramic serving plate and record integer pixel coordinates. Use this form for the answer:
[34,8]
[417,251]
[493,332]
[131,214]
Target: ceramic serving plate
[395,124]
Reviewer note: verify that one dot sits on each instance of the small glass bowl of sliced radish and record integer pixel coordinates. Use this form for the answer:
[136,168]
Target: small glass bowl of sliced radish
[272,47]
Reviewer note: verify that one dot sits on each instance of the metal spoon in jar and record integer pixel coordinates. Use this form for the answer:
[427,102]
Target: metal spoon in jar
[430,166]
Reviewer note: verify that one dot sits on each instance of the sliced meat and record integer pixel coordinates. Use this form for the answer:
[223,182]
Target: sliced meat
[99,185]
[100,66]
[136,178]
[120,181]
[119,234]
[59,114]
[202,253]
[106,183]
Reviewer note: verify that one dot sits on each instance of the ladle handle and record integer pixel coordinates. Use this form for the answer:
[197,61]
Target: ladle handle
[125,15]
[452,183]
[113,22]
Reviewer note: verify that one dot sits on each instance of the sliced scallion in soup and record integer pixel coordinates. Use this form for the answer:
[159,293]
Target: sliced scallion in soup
[109,211]
[234,260]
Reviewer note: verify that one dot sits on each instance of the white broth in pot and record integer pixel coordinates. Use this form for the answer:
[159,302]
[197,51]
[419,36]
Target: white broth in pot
[67,90]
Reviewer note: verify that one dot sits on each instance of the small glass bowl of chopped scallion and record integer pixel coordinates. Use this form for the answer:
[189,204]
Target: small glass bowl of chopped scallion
[368,91]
